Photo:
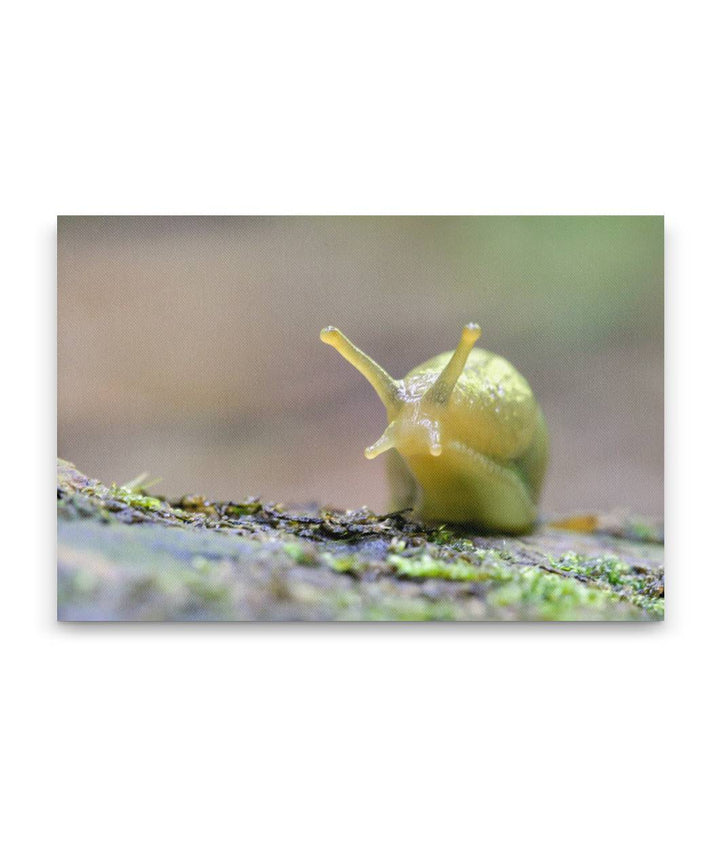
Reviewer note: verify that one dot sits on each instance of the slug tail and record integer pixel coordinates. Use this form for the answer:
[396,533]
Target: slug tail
[382,383]
[441,390]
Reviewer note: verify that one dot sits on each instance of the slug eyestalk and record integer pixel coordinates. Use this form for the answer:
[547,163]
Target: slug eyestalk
[441,390]
[386,387]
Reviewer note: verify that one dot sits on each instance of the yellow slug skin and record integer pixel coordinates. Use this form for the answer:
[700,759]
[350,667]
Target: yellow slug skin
[466,440]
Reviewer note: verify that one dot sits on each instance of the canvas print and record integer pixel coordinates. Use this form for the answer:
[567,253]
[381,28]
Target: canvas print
[360,418]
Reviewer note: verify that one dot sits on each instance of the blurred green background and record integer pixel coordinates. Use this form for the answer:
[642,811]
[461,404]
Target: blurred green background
[188,346]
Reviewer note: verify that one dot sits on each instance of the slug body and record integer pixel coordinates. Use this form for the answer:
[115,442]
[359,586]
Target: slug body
[467,441]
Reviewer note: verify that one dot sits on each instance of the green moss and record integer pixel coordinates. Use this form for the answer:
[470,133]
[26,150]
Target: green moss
[551,598]
[643,587]
[240,509]
[442,535]
[530,591]
[351,563]
[301,553]
[513,590]
[136,500]
[428,567]
[208,591]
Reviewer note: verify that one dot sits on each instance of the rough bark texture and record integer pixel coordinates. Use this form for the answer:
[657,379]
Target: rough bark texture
[126,555]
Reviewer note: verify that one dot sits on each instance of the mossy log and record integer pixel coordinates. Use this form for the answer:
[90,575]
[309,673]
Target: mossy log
[124,554]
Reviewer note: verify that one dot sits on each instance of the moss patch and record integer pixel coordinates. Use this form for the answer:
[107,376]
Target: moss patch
[642,586]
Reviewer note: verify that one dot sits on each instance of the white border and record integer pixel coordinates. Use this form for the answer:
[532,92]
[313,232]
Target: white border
[505,739]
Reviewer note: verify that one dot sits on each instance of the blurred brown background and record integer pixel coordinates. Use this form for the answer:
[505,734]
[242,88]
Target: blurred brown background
[188,346]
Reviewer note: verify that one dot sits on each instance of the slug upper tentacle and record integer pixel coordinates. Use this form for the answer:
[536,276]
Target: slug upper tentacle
[470,442]
[386,388]
[440,391]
